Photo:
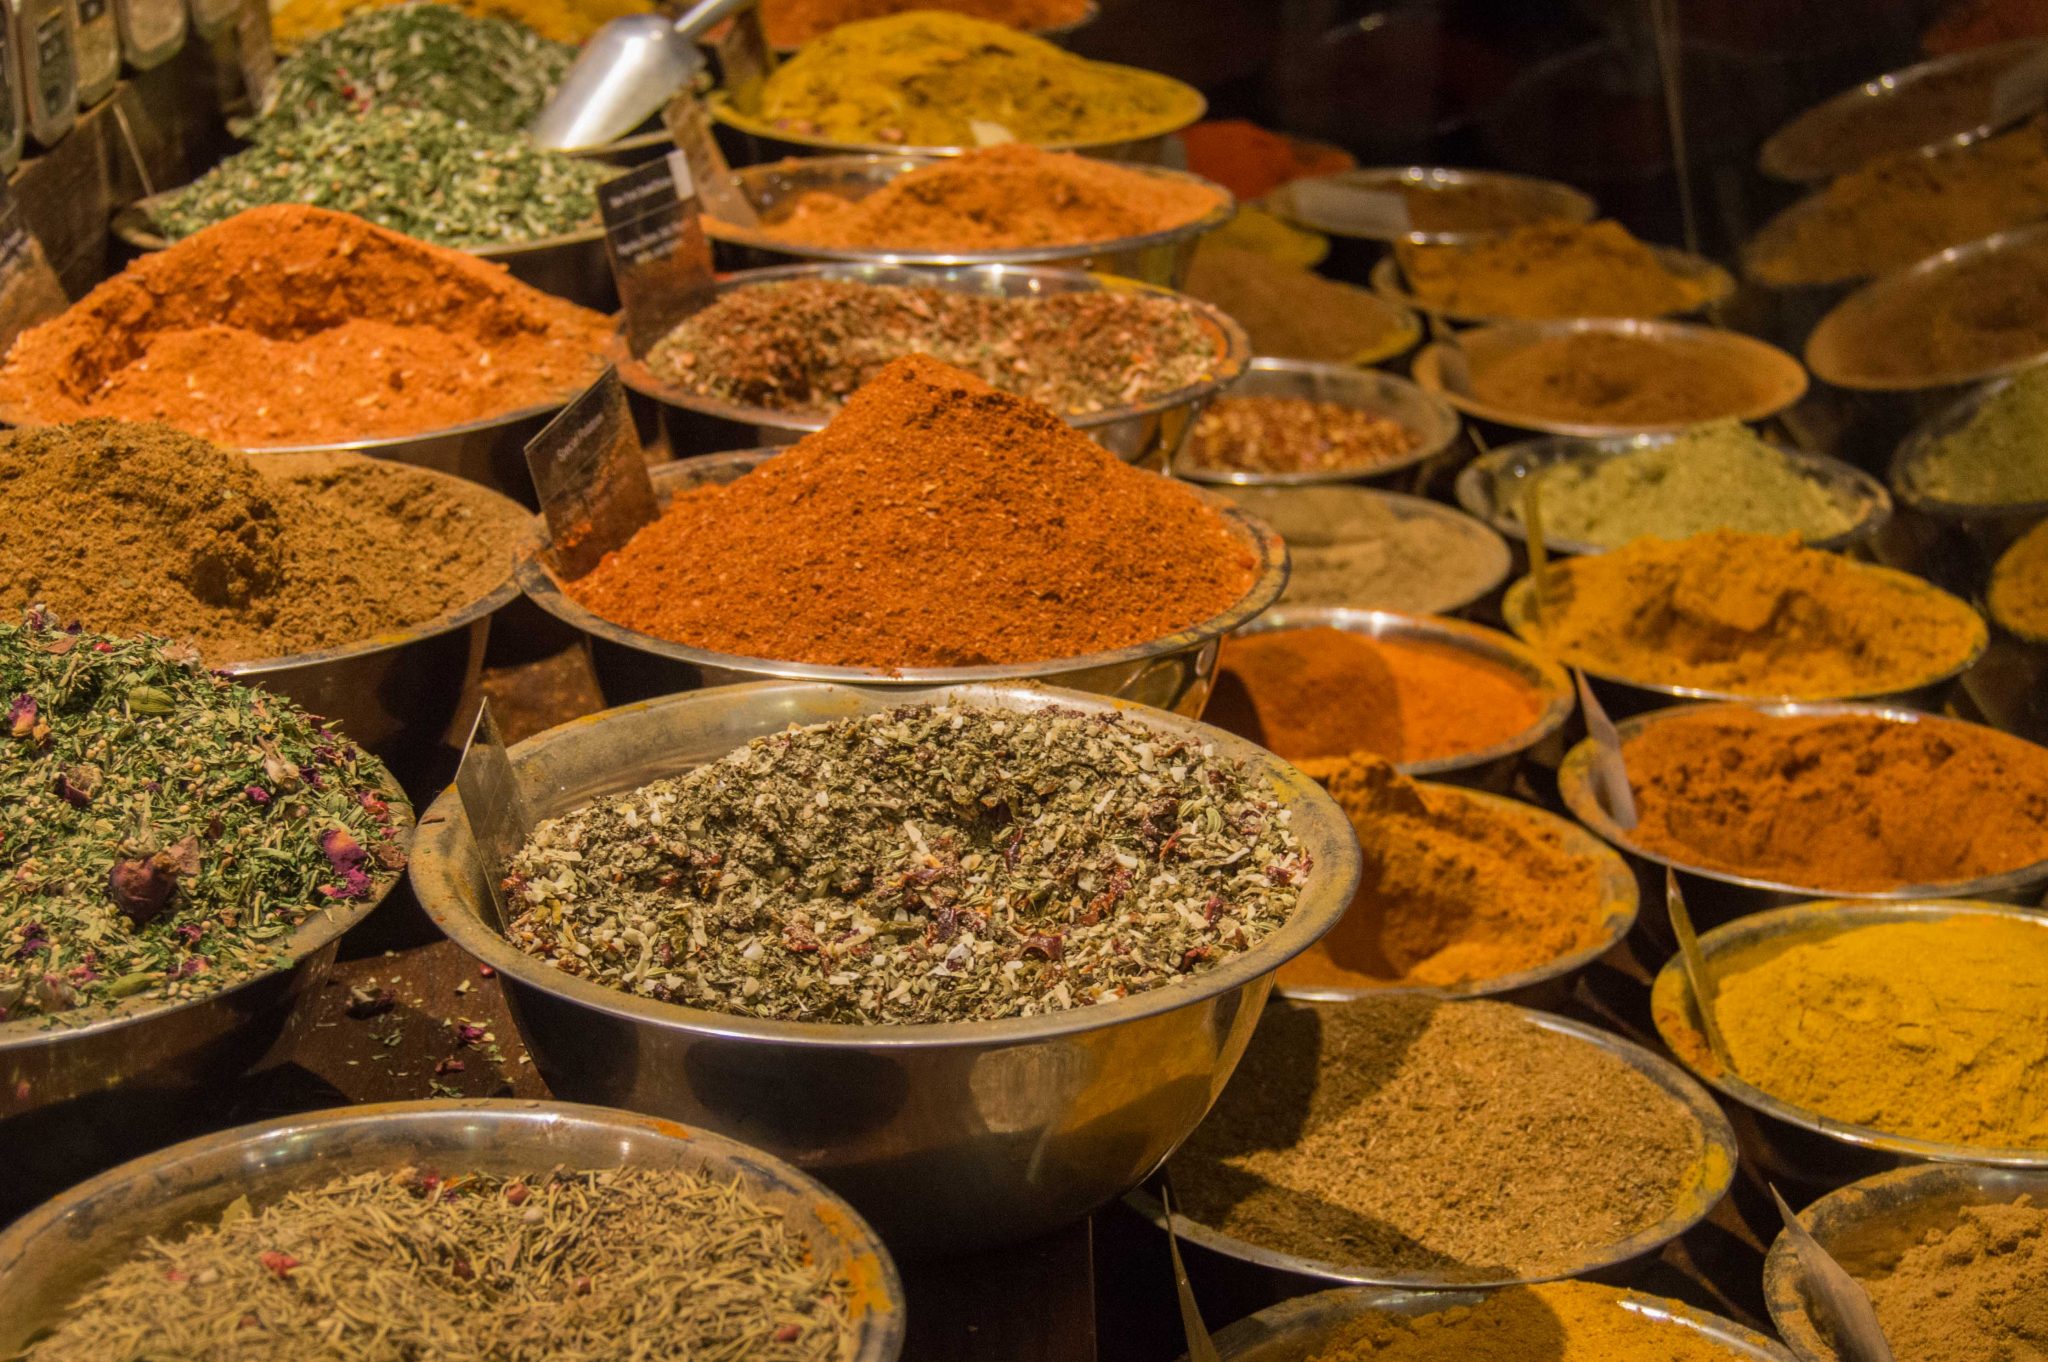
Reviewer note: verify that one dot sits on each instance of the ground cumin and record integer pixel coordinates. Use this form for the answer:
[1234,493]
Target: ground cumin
[792,23]
[1962,322]
[1974,1291]
[1598,378]
[1846,803]
[934,523]
[1754,615]
[294,325]
[1554,1322]
[1457,887]
[1553,269]
[1291,312]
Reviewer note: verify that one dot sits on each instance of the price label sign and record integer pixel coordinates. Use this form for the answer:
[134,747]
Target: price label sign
[744,57]
[591,476]
[29,291]
[494,803]
[654,236]
[689,126]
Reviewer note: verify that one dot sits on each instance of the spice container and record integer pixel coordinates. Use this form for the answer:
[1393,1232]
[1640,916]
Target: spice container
[13,131]
[49,1257]
[99,51]
[1427,422]
[1364,210]
[49,74]
[1547,273]
[152,31]
[1361,548]
[1291,312]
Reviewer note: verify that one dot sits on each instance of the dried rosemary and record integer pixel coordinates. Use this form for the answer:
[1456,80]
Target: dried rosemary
[624,1265]
[925,864]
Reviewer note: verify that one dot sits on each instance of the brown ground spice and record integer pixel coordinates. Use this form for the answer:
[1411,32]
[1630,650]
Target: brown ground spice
[1552,269]
[132,528]
[295,325]
[1294,313]
[1975,1292]
[1595,378]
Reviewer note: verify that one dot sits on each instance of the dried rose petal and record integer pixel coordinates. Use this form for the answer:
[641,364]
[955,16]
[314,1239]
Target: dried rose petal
[141,887]
[256,794]
[21,716]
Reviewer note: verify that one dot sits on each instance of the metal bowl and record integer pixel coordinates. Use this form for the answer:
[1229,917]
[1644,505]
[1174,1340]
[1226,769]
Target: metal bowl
[945,1136]
[1789,1141]
[1154,258]
[1171,673]
[49,1258]
[1715,1174]
[1427,418]
[1543,200]
[1779,379]
[1492,487]
[2005,520]
[1718,895]
[1056,33]
[1867,1225]
[1140,432]
[1388,282]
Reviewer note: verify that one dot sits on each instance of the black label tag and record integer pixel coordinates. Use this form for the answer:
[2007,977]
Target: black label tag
[591,476]
[689,126]
[495,804]
[254,52]
[654,236]
[29,291]
[744,58]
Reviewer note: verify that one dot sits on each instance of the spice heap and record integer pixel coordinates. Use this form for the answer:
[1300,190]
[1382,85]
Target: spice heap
[1970,1291]
[1321,692]
[803,346]
[1933,107]
[1294,435]
[1553,1322]
[1600,378]
[142,529]
[927,78]
[1352,546]
[1010,197]
[2018,595]
[2000,457]
[1291,312]
[1711,477]
[166,829]
[1963,321]
[1838,802]
[1250,161]
[792,23]
[1751,614]
[1252,228]
[934,523]
[1461,1141]
[1553,269]
[353,332]
[1434,206]
[923,864]
[1457,888]
[416,1264]
[295,23]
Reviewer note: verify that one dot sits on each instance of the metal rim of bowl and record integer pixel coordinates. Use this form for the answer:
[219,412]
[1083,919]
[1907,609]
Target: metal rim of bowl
[1573,205]
[1784,924]
[1223,210]
[542,588]
[1924,438]
[2025,636]
[538,1120]
[1234,348]
[1789,379]
[1440,434]
[1475,483]
[1089,15]
[1387,281]
[1870,1201]
[1576,786]
[133,226]
[436,868]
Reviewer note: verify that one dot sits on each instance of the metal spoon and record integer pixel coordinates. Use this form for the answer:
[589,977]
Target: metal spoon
[625,73]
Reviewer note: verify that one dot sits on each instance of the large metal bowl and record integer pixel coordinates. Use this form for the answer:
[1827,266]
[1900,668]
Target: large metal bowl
[1154,258]
[1428,419]
[1542,200]
[945,1136]
[1719,895]
[49,1258]
[1867,1225]
[2004,521]
[1056,33]
[1139,432]
[1171,673]
[1389,282]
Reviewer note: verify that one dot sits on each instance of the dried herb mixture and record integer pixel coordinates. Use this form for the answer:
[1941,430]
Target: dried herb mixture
[924,864]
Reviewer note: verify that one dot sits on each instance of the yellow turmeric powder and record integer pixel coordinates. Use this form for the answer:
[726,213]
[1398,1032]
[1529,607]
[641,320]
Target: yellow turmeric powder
[1554,269]
[2019,586]
[1749,615]
[298,22]
[1555,1322]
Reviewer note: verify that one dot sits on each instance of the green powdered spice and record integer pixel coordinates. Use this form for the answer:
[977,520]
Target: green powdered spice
[2000,457]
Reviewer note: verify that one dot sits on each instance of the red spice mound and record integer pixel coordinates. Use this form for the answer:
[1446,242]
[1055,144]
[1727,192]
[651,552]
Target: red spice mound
[295,325]
[1251,162]
[936,522]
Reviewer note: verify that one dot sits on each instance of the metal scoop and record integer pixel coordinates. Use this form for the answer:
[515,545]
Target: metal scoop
[625,73]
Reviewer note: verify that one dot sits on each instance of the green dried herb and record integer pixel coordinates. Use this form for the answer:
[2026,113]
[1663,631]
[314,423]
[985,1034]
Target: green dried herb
[925,864]
[163,830]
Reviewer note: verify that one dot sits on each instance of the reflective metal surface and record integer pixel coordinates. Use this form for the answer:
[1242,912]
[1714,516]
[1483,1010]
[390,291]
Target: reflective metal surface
[1427,418]
[1541,200]
[1908,459]
[945,1136]
[624,73]
[49,1257]
[1388,282]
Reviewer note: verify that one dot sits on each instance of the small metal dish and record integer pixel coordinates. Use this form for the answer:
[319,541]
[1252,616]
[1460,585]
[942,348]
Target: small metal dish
[1779,379]
[1542,201]
[2005,520]
[1428,419]
[1170,673]
[1388,282]
[49,1258]
[1142,432]
[1868,1224]
[1492,486]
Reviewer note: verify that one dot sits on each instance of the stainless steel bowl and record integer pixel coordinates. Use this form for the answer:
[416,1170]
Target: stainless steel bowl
[1154,258]
[1171,673]
[1715,1173]
[50,1257]
[1492,486]
[1057,33]
[2002,522]
[1779,379]
[1141,432]
[1428,419]
[1388,281]
[945,1136]
[1542,200]
[1718,895]
[1865,1226]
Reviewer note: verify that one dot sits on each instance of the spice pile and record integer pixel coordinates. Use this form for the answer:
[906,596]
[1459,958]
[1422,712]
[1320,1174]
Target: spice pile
[1353,546]
[1465,207]
[2000,457]
[1004,198]
[934,523]
[1599,378]
[166,829]
[1551,1322]
[1749,614]
[1251,161]
[2018,595]
[1931,108]
[1460,1141]
[423,1265]
[1294,435]
[295,23]
[1838,803]
[1322,692]
[922,864]
[927,78]
[1970,1291]
[1968,320]
[291,325]
[1457,888]
[792,23]
[1553,269]
[803,346]
[1291,312]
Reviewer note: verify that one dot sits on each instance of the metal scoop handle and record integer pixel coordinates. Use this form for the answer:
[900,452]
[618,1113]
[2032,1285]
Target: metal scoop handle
[625,73]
